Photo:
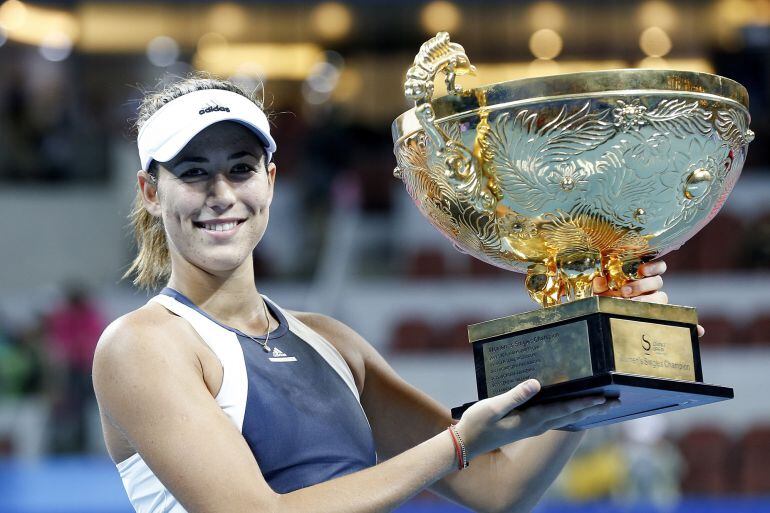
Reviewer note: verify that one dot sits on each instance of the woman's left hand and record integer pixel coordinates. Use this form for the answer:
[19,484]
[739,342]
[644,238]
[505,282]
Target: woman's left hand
[646,289]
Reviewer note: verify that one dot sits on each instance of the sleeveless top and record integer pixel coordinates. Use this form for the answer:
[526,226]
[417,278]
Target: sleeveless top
[296,406]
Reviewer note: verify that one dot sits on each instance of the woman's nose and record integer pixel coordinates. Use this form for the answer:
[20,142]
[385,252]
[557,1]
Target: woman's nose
[221,194]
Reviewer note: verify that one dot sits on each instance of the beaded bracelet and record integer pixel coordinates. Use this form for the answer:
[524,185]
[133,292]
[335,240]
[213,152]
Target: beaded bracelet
[462,454]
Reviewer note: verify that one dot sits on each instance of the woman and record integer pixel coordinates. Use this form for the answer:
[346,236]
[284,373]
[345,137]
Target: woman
[214,399]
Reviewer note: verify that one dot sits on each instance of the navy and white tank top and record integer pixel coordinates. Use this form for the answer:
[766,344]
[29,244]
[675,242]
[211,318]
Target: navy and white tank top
[296,406]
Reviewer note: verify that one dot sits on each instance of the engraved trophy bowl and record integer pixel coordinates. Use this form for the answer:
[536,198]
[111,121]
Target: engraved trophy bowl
[566,178]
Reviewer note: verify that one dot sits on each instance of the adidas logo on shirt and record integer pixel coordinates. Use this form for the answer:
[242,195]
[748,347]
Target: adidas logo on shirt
[280,356]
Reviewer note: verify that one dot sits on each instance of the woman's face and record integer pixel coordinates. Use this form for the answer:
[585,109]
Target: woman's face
[214,197]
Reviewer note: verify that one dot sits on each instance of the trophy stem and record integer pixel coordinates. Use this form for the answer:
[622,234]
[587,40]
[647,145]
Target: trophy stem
[569,276]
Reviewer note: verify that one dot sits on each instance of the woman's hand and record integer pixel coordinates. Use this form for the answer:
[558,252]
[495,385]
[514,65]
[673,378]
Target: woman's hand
[492,423]
[646,289]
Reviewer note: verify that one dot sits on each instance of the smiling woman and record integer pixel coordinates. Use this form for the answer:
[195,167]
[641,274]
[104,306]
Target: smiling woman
[215,399]
[158,140]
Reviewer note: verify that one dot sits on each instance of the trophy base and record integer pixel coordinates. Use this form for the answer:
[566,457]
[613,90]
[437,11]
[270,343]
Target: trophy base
[639,396]
[645,354]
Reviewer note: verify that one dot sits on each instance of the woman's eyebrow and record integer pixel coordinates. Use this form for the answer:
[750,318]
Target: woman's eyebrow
[186,160]
[241,154]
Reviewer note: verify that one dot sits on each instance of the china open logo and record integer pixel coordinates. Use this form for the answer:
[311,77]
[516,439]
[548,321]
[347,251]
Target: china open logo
[646,345]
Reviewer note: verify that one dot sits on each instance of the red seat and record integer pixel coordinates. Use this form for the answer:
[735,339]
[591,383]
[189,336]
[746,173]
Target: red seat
[427,263]
[753,452]
[758,243]
[683,260]
[706,451]
[412,335]
[720,244]
[480,269]
[758,331]
[720,332]
[455,335]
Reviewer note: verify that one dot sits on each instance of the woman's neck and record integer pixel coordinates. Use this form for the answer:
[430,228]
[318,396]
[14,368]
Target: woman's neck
[231,297]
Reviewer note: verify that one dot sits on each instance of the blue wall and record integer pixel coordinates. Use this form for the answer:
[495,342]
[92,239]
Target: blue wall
[92,485]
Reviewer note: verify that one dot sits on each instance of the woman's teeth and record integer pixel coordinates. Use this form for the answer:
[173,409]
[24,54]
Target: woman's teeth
[223,227]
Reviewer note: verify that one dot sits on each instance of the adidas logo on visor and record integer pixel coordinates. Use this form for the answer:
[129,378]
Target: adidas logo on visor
[214,108]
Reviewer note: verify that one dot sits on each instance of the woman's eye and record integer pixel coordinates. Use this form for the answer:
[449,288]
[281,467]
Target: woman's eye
[242,168]
[195,172]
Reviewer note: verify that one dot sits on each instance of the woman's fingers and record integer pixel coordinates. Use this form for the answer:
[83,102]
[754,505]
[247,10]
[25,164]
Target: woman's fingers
[501,405]
[600,285]
[656,297]
[652,268]
[643,286]
[583,414]
[650,281]
[701,331]
[549,416]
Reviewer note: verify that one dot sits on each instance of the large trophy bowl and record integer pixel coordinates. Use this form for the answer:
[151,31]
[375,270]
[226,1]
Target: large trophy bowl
[566,178]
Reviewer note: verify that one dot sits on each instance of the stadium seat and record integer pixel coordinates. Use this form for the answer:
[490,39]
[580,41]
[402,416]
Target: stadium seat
[427,263]
[757,333]
[706,451]
[720,332]
[753,454]
[720,244]
[412,335]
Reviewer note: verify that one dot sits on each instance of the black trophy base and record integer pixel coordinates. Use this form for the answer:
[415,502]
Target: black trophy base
[639,396]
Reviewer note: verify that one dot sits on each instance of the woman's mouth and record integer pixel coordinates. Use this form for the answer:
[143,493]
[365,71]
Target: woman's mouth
[220,226]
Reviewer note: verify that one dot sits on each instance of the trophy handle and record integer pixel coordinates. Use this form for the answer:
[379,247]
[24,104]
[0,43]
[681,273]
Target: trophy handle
[436,55]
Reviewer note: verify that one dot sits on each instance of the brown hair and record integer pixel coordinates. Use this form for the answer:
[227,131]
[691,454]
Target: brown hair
[152,264]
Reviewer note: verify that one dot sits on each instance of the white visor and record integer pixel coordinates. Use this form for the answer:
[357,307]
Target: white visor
[169,130]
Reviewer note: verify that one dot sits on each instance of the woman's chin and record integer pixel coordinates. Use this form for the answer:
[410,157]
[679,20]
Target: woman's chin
[221,264]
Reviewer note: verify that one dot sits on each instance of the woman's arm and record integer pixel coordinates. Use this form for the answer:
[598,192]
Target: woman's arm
[511,478]
[506,479]
[150,385]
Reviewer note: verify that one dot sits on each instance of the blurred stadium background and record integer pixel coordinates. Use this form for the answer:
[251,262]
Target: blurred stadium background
[344,238]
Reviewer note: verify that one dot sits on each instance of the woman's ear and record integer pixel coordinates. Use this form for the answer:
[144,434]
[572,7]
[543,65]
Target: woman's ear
[148,185]
[271,180]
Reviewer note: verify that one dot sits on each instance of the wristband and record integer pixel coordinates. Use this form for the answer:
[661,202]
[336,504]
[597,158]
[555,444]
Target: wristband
[460,451]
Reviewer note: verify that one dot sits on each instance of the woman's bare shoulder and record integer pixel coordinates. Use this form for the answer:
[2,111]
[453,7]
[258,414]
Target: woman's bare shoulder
[138,334]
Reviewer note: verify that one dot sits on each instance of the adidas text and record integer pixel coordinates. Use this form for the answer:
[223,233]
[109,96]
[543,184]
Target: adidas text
[213,109]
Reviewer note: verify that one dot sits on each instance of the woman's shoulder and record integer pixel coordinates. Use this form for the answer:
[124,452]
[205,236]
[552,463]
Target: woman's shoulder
[136,335]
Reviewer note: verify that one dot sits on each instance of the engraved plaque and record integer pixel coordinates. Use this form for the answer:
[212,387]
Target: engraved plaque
[551,355]
[651,349]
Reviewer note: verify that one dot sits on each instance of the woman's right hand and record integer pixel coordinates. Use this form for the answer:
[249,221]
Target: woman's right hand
[487,425]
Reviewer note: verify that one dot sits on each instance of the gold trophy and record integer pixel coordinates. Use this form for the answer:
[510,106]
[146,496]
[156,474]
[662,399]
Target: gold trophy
[566,178]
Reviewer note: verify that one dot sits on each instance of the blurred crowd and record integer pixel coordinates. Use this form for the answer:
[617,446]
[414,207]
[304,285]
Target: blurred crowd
[46,397]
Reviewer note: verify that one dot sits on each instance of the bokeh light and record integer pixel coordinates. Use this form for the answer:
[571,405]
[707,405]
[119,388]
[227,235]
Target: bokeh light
[13,15]
[228,18]
[163,51]
[546,15]
[331,20]
[545,44]
[654,42]
[657,13]
[440,16]
[56,46]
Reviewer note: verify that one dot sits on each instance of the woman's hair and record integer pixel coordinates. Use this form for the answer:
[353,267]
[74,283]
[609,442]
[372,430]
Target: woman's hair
[152,264]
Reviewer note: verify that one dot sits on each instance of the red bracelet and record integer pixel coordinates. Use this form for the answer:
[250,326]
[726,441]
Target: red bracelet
[461,453]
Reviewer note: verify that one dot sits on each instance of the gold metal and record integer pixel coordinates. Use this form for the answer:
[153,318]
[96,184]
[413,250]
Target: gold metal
[574,309]
[569,177]
[550,355]
[652,349]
